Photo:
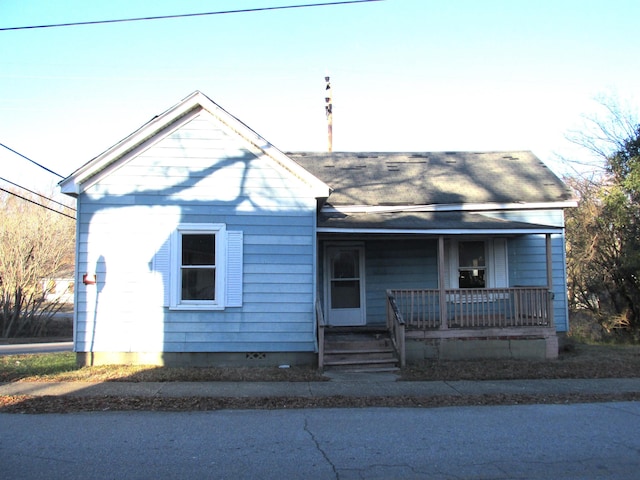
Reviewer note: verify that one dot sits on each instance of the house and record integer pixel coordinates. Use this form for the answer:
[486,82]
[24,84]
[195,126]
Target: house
[199,242]
[60,288]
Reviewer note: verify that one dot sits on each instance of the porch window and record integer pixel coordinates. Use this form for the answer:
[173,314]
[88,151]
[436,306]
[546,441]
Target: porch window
[472,267]
[476,263]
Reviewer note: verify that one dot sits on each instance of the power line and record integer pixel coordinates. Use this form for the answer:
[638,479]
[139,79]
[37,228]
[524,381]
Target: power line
[32,161]
[36,203]
[38,194]
[185,15]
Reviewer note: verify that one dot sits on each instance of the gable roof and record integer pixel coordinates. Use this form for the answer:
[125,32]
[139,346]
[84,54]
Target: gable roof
[440,191]
[434,178]
[163,124]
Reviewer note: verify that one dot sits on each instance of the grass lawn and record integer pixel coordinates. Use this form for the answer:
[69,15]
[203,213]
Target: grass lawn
[582,361]
[45,366]
[61,367]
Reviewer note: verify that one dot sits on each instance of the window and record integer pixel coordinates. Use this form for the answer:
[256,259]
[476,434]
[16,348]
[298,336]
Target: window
[345,279]
[198,266]
[476,263]
[472,267]
[201,267]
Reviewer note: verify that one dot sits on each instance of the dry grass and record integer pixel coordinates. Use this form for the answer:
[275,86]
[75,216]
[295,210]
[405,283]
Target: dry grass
[577,361]
[40,405]
[61,367]
[580,361]
[142,373]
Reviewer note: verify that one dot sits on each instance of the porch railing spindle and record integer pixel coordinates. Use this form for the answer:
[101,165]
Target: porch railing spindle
[475,307]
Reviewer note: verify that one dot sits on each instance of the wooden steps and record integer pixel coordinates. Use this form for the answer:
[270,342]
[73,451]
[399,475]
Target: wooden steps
[359,351]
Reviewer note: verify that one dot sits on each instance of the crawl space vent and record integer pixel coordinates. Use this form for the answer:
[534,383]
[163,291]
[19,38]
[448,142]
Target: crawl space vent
[256,356]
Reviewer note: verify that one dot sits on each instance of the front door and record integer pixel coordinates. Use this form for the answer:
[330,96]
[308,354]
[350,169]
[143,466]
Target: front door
[345,286]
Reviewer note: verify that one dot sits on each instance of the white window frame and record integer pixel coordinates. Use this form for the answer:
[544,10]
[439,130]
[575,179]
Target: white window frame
[484,267]
[496,268]
[219,232]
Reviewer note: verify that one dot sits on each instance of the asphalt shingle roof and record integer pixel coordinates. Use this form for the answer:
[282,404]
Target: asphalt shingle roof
[430,178]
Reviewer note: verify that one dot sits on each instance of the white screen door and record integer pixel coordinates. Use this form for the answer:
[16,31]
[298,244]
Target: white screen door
[345,286]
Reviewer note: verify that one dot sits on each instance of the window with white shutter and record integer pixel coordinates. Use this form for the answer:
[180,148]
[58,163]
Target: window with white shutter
[201,267]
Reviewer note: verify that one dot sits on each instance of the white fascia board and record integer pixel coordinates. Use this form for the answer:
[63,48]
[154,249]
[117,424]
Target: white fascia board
[195,102]
[464,207]
[461,231]
[69,187]
[125,153]
[73,184]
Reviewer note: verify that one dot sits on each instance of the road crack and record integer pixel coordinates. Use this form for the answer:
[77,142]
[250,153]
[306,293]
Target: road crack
[448,384]
[320,449]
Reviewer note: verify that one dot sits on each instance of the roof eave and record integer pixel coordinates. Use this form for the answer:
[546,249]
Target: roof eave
[72,185]
[463,207]
[538,230]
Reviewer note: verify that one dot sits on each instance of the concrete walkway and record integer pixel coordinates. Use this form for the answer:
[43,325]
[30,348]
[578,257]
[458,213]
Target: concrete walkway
[350,385]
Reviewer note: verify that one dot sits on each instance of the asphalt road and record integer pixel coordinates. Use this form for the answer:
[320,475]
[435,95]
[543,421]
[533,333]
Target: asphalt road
[20,348]
[578,441]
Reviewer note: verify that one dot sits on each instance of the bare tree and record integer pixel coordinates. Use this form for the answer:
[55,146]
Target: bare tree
[584,280]
[603,233]
[605,131]
[36,245]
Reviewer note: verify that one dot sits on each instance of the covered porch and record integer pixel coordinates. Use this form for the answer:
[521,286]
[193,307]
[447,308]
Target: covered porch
[439,321]
[434,316]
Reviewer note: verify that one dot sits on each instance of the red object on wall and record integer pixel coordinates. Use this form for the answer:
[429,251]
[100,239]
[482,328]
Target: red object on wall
[89,279]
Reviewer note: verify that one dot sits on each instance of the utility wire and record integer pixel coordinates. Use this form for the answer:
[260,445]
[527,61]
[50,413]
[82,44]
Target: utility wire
[32,161]
[38,194]
[36,203]
[164,17]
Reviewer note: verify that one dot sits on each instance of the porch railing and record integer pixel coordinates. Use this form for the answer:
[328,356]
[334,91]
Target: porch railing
[395,325]
[475,307]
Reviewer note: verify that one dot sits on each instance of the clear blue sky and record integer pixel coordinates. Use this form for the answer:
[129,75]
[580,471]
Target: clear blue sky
[407,75]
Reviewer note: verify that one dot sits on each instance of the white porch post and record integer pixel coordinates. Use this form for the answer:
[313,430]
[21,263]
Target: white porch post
[441,285]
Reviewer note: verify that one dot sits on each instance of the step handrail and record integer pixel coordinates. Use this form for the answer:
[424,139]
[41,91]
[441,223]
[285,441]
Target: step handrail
[396,325]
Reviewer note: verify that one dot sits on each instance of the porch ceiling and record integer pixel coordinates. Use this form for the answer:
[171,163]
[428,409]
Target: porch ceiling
[426,222]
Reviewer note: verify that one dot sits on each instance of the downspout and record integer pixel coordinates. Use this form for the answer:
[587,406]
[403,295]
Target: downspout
[549,278]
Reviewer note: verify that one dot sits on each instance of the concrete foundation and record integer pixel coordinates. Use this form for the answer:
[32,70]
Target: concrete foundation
[419,350]
[198,359]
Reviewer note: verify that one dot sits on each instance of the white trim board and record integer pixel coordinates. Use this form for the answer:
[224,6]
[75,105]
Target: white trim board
[463,207]
[426,231]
